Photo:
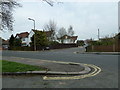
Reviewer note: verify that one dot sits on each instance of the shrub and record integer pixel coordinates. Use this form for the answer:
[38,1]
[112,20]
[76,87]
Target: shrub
[22,48]
[53,43]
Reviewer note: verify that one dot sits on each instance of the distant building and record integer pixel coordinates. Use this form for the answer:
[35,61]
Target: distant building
[5,44]
[67,39]
[48,35]
[32,32]
[24,38]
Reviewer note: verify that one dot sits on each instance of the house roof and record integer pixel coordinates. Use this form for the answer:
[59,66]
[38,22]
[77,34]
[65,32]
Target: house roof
[5,42]
[36,30]
[22,35]
[48,33]
[74,37]
[69,37]
[1,39]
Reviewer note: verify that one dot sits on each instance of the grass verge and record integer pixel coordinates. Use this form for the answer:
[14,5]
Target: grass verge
[8,66]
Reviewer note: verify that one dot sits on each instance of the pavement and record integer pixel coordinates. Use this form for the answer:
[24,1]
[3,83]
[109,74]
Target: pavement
[100,53]
[79,70]
[53,67]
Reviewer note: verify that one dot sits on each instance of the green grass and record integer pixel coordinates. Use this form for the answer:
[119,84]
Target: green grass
[8,66]
[0,65]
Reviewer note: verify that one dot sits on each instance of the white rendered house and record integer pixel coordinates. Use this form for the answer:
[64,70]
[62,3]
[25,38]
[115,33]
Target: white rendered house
[67,39]
[24,38]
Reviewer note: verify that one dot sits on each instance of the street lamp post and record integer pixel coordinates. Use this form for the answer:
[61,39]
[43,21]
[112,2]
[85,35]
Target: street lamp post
[34,34]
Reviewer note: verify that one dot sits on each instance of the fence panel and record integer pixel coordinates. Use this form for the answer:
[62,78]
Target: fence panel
[104,48]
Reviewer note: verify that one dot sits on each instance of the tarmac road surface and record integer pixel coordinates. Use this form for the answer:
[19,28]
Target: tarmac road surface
[108,78]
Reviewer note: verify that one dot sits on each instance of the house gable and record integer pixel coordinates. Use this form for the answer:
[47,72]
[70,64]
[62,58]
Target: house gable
[24,37]
[68,39]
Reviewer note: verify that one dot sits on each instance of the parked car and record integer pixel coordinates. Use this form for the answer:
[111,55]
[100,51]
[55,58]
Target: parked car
[47,48]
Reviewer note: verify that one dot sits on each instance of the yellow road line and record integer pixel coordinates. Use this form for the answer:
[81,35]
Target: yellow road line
[95,72]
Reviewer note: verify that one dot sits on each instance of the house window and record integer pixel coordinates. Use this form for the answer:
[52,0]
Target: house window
[23,39]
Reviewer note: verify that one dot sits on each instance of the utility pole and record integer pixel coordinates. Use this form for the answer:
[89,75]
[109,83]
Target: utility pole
[119,29]
[98,34]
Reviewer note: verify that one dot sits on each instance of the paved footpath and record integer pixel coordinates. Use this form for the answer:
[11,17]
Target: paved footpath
[57,68]
[50,65]
[53,66]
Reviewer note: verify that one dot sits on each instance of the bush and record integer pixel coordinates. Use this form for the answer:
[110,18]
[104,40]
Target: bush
[80,43]
[53,43]
[22,48]
[102,42]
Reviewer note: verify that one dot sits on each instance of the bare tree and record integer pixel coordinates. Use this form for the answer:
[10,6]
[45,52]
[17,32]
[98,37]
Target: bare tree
[52,27]
[6,15]
[70,31]
[6,12]
[61,33]
[51,2]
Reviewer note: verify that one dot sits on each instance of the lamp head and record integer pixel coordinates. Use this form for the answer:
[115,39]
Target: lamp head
[29,18]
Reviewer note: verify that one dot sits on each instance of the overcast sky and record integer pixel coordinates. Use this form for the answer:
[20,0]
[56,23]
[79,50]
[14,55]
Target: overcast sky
[85,17]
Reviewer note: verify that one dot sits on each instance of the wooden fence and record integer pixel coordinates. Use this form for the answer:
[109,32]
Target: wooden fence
[104,48]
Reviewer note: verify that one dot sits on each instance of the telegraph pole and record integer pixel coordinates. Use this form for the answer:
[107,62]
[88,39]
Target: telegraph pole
[98,34]
[119,29]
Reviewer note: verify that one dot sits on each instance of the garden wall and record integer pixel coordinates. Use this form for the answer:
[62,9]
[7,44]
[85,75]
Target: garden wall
[60,46]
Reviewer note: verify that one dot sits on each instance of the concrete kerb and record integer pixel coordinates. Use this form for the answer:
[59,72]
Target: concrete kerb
[86,70]
[96,71]
[99,53]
